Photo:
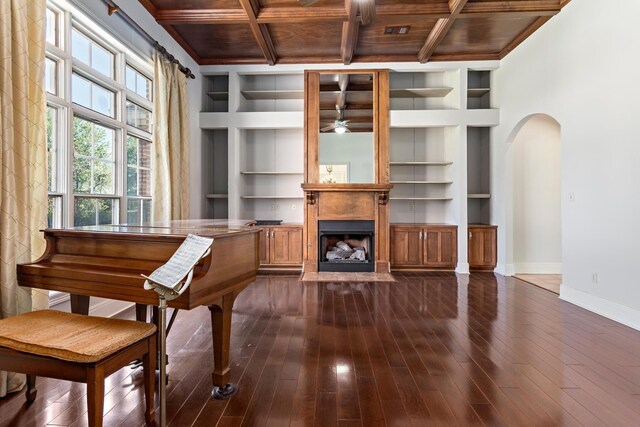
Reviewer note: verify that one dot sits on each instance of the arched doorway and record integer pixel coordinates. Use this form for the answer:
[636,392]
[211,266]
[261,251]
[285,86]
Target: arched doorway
[537,241]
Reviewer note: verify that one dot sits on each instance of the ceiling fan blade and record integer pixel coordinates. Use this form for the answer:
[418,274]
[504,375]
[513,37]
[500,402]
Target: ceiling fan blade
[328,128]
[367,11]
[307,2]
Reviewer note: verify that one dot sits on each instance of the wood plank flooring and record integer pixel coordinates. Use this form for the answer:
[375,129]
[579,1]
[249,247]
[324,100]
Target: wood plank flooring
[550,282]
[429,349]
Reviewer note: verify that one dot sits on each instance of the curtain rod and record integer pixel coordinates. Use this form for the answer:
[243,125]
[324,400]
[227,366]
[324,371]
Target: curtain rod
[114,8]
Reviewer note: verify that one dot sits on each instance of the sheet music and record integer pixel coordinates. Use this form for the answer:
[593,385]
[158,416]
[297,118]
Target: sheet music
[170,275]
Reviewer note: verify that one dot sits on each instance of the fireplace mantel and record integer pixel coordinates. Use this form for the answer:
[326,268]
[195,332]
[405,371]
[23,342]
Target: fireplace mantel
[347,201]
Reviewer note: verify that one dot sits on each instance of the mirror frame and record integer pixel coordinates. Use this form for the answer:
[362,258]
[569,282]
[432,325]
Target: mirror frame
[380,124]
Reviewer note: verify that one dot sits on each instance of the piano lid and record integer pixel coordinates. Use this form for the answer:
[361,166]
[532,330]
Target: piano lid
[176,227]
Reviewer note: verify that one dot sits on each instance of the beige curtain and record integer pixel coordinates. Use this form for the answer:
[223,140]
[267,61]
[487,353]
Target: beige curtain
[171,141]
[23,179]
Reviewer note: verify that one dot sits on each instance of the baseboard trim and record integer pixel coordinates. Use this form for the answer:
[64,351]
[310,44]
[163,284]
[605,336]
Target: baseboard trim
[609,309]
[109,308]
[538,268]
[462,268]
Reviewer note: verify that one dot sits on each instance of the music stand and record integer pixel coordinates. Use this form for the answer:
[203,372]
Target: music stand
[170,281]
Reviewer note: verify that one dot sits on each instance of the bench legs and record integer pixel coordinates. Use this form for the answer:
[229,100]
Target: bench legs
[31,388]
[95,395]
[149,367]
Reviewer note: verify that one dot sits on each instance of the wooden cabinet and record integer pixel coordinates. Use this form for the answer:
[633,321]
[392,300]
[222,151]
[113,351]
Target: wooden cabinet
[482,247]
[281,247]
[424,247]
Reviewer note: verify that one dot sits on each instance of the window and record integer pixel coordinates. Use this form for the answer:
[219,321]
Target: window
[138,180]
[138,83]
[99,124]
[91,53]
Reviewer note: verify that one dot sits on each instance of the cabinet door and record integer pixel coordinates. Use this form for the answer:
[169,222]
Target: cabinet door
[285,245]
[405,246]
[264,246]
[440,247]
[482,247]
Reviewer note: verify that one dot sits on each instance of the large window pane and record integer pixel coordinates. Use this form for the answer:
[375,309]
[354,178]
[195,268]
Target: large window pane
[138,83]
[94,211]
[91,53]
[91,95]
[80,47]
[51,27]
[51,76]
[138,117]
[93,162]
[138,167]
[52,149]
[134,211]
[54,212]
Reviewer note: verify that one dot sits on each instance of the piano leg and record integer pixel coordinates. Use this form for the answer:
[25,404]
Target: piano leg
[79,304]
[221,331]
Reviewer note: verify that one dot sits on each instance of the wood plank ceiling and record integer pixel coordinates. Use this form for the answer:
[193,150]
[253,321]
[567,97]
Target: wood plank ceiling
[331,31]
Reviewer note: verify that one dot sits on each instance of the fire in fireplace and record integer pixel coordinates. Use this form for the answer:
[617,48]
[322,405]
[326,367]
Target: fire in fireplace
[346,246]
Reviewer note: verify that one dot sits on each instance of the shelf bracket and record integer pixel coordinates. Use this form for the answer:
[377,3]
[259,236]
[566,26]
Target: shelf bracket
[383,198]
[311,197]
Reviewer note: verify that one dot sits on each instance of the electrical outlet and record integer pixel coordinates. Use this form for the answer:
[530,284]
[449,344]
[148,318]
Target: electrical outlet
[572,197]
[277,207]
[293,206]
[594,277]
[273,206]
[411,207]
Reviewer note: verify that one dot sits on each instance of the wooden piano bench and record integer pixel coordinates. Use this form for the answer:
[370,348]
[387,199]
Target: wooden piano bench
[78,348]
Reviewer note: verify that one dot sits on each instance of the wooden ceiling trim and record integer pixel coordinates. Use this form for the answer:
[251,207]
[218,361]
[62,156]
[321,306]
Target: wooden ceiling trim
[233,61]
[385,58]
[349,32]
[541,7]
[148,4]
[310,60]
[413,9]
[274,15]
[440,30]
[182,42]
[461,56]
[523,35]
[201,16]
[260,31]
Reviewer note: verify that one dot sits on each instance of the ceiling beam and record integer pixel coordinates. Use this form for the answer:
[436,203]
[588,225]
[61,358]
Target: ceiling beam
[260,31]
[349,32]
[201,16]
[540,7]
[523,35]
[439,31]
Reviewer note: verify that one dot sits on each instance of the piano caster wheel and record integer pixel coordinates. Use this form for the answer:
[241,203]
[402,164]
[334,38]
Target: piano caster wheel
[224,393]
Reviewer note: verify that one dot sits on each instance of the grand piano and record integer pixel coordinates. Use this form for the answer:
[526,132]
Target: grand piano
[107,260]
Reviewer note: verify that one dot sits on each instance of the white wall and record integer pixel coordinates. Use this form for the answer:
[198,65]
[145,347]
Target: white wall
[537,243]
[580,68]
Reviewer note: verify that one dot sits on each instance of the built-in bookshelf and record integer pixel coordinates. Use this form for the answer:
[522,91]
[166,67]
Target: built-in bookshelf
[427,90]
[478,175]
[216,93]
[478,89]
[271,92]
[271,173]
[215,165]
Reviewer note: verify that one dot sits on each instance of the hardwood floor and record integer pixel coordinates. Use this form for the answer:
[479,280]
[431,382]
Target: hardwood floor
[550,282]
[429,349]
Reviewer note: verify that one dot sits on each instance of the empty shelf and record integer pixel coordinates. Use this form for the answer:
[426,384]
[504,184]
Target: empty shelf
[270,173]
[217,196]
[479,196]
[477,92]
[422,198]
[422,92]
[420,163]
[219,96]
[271,197]
[273,94]
[421,182]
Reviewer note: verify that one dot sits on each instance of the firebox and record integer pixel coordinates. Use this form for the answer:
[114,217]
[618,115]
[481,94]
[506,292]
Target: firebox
[346,246]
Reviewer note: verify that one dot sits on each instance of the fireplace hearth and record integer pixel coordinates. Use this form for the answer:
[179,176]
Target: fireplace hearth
[346,246]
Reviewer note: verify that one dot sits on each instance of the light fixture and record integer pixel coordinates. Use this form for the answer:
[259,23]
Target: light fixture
[340,129]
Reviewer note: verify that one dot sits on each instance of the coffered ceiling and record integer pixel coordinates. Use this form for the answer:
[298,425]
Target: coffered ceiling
[331,31]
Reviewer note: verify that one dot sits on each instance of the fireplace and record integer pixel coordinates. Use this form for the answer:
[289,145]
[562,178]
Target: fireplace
[346,246]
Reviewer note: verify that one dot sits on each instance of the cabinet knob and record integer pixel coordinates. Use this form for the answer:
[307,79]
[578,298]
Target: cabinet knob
[420,236]
[273,234]
[469,234]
